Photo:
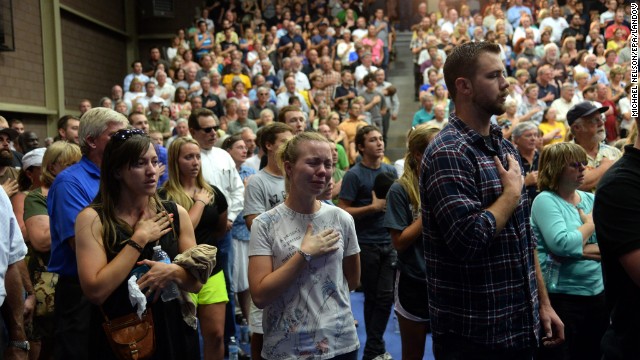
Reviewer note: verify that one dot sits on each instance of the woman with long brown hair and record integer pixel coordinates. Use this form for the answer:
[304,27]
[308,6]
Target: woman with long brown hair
[117,233]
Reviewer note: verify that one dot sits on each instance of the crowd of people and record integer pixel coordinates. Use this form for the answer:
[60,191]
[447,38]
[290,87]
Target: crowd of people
[261,131]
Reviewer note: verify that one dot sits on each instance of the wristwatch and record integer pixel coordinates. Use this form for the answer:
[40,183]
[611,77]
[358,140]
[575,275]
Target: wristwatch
[307,257]
[22,345]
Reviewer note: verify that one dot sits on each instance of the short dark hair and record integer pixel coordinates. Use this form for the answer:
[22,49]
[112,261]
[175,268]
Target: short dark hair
[132,114]
[268,133]
[228,142]
[367,78]
[193,118]
[62,122]
[285,110]
[362,132]
[463,62]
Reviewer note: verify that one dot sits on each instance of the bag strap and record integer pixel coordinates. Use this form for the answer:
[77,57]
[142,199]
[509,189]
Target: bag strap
[104,314]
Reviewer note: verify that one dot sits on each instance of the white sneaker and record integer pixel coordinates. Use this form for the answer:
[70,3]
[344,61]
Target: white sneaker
[385,356]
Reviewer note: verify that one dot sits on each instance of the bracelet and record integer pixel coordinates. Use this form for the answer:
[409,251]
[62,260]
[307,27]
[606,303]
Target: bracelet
[134,245]
[202,201]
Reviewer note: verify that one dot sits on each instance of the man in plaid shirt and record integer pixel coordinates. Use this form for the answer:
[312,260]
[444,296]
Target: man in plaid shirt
[487,299]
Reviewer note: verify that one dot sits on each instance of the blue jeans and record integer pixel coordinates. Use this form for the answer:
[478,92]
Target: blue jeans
[385,61]
[377,263]
[225,259]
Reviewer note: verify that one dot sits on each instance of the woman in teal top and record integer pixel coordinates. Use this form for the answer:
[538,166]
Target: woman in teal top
[568,251]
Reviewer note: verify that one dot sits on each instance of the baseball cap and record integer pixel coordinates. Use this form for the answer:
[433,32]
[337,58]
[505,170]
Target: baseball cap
[157,100]
[13,134]
[33,158]
[582,109]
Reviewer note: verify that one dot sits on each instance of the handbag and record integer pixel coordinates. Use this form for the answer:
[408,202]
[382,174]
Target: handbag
[131,337]
[44,288]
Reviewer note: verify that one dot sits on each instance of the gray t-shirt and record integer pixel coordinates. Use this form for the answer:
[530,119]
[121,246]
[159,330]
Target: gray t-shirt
[357,185]
[376,116]
[313,315]
[399,215]
[234,127]
[264,192]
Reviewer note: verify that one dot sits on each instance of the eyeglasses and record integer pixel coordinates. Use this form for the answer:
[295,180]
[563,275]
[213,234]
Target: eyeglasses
[578,164]
[210,128]
[126,134]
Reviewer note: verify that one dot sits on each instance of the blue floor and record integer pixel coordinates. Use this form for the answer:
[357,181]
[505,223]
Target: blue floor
[391,337]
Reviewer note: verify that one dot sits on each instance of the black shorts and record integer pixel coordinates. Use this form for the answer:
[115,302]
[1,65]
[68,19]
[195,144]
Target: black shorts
[412,296]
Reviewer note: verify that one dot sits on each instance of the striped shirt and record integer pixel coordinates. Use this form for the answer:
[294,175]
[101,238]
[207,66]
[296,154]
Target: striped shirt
[482,284]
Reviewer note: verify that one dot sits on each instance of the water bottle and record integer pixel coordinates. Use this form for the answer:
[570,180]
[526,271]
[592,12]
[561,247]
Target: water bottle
[171,291]
[396,324]
[244,332]
[552,273]
[233,349]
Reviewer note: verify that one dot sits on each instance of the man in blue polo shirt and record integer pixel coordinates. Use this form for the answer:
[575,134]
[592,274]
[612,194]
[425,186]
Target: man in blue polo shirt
[72,190]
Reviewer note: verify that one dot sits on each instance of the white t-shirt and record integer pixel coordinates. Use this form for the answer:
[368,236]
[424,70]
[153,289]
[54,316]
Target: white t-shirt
[625,107]
[313,315]
[219,169]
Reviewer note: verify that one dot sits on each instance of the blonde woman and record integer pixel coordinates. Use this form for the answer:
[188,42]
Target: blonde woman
[207,208]
[303,261]
[57,157]
[404,221]
[561,219]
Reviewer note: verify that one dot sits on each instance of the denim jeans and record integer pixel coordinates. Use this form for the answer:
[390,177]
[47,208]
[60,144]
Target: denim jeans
[377,263]
[225,259]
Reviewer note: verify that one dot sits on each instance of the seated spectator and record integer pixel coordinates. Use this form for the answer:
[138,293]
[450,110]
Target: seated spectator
[234,127]
[509,119]
[566,100]
[136,66]
[587,127]
[267,116]
[350,127]
[202,40]
[547,89]
[155,59]
[531,108]
[188,63]
[180,103]
[290,91]
[426,112]
[439,119]
[190,84]
[68,127]
[262,102]
[552,131]
[625,113]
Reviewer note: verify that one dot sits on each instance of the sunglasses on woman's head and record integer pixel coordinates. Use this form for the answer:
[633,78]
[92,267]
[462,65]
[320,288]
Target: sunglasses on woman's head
[125,134]
[578,164]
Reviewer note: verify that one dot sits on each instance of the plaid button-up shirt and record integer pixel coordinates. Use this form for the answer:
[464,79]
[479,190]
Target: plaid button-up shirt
[481,284]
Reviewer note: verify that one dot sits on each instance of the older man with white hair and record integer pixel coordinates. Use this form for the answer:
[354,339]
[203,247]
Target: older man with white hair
[587,126]
[72,190]
[565,102]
